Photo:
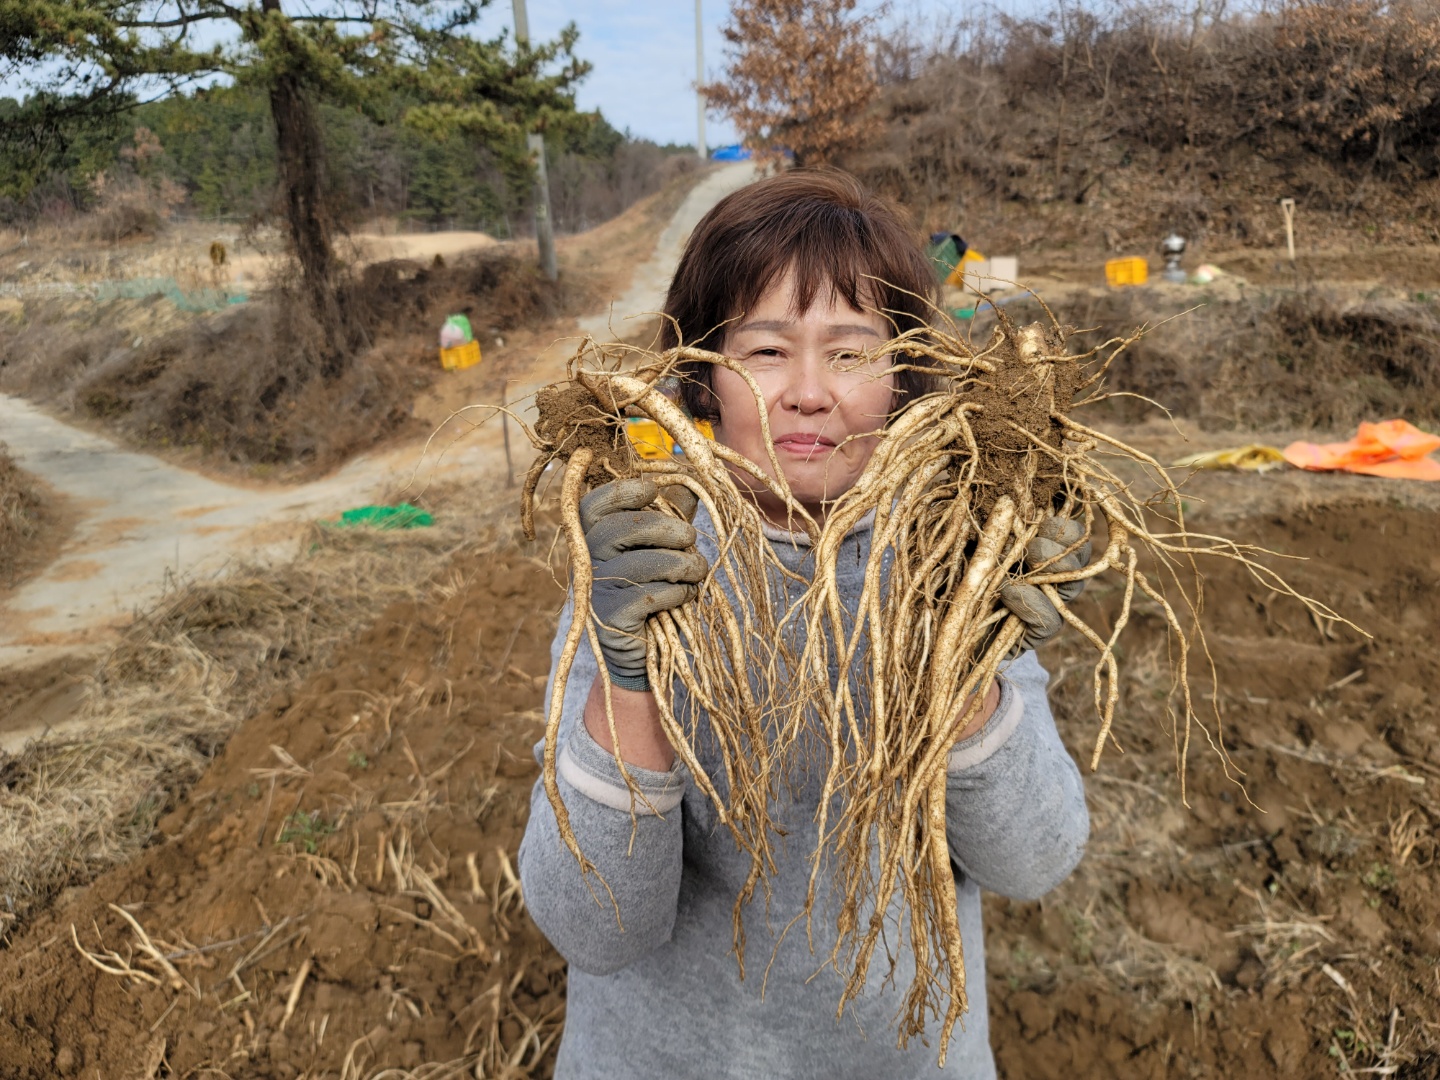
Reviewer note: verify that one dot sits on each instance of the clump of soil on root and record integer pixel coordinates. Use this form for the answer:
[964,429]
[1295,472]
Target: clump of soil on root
[1018,407]
[571,418]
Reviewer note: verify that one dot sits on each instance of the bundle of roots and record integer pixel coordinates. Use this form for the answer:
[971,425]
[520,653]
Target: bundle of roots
[959,484]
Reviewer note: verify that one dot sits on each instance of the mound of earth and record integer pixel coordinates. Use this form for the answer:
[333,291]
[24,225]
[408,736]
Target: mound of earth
[1288,923]
[357,837]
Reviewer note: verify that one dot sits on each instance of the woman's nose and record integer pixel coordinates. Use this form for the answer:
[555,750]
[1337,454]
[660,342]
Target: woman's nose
[807,385]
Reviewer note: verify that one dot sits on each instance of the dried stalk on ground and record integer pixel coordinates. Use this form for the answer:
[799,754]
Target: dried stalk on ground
[959,484]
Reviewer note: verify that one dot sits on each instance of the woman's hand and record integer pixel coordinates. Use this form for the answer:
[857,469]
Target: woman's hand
[1027,602]
[642,566]
[644,563]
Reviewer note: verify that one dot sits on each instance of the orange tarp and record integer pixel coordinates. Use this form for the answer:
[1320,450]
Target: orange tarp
[1392,448]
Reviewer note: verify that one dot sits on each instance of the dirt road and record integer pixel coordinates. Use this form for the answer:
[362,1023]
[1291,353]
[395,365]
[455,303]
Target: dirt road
[142,522]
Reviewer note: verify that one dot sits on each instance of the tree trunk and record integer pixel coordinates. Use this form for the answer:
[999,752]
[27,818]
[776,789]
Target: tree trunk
[300,157]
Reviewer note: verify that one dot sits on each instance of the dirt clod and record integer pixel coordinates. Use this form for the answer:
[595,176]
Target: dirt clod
[572,417]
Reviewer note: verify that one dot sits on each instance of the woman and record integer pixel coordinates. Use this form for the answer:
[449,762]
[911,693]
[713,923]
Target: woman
[790,276]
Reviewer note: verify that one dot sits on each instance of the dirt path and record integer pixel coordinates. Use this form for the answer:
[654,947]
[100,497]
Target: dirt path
[647,287]
[141,522]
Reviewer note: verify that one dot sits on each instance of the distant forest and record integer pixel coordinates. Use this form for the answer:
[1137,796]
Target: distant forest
[214,152]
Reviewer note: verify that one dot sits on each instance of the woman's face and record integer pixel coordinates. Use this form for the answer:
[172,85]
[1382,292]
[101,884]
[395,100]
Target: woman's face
[822,398]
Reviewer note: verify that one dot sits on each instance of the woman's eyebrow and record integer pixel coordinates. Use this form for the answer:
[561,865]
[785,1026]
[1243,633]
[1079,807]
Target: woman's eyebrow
[837,329]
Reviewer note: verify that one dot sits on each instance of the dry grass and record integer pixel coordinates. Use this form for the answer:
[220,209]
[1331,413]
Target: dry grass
[182,677]
[302,401]
[1106,124]
[1307,358]
[21,516]
[486,1051]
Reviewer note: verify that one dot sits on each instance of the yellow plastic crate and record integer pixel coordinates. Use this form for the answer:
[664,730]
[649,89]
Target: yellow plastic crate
[649,439]
[1129,271]
[652,442]
[460,357]
[957,276]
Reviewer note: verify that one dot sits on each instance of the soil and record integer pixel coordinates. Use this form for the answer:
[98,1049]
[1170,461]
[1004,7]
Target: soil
[1191,942]
[41,696]
[1019,402]
[572,418]
[1276,926]
[309,841]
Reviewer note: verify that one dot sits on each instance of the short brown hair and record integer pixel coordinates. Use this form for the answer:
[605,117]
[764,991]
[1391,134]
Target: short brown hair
[822,225]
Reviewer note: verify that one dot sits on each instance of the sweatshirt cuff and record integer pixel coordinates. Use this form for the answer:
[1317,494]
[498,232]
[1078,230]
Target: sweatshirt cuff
[996,732]
[591,770]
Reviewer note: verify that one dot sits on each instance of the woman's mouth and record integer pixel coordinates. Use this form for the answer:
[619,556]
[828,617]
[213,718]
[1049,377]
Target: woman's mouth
[804,444]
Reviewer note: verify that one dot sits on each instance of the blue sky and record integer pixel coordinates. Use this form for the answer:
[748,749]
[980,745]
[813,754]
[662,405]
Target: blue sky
[643,52]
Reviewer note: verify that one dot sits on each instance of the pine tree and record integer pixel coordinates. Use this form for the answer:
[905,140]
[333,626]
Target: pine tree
[89,56]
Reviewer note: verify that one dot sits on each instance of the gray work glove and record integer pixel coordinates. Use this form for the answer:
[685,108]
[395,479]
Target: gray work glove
[641,565]
[1041,618]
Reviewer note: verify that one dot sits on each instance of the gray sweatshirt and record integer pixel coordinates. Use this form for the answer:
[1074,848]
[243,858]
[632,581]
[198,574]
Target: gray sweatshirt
[662,997]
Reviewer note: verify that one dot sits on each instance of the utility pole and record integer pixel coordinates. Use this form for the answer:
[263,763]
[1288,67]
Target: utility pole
[535,142]
[699,81]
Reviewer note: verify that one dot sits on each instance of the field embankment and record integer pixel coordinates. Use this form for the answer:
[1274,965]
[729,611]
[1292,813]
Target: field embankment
[1320,358]
[259,384]
[1103,129]
[257,388]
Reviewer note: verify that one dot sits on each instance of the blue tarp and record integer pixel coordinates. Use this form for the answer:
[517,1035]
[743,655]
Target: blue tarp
[733,152]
